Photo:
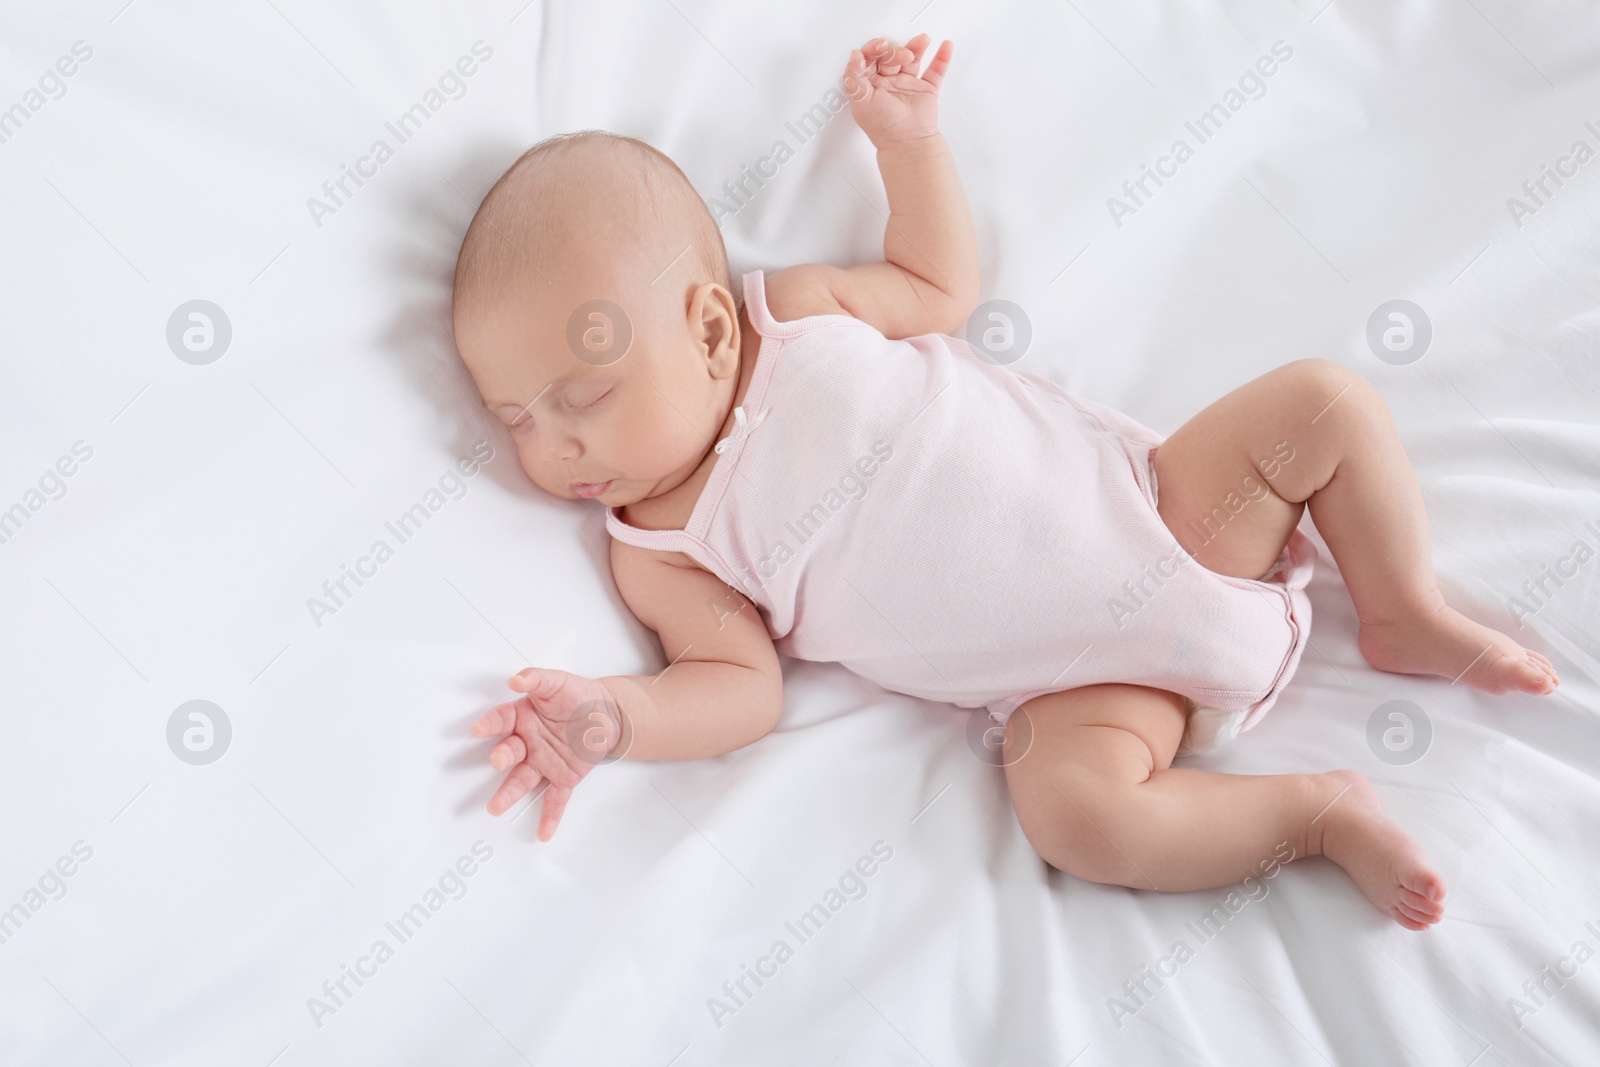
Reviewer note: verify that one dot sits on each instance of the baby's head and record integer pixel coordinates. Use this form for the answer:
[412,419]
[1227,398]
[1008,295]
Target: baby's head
[593,308]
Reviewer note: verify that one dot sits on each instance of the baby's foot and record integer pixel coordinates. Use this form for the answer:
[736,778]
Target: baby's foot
[1442,641]
[1382,859]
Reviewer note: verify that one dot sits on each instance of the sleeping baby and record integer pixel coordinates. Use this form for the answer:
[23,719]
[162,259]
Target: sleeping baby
[833,463]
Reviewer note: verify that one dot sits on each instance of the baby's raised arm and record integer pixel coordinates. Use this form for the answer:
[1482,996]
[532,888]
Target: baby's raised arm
[928,280]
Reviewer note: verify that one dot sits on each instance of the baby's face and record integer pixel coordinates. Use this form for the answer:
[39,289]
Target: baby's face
[594,413]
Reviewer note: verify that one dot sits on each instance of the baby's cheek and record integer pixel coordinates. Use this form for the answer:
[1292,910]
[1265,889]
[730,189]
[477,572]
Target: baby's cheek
[673,445]
[527,455]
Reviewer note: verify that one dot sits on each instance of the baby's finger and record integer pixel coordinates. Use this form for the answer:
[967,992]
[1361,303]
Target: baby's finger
[916,46]
[522,779]
[496,722]
[542,686]
[857,85]
[858,67]
[508,753]
[886,56]
[940,63]
[536,682]
[555,802]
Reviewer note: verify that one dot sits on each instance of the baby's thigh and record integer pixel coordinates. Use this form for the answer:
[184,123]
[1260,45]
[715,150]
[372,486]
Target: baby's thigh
[1070,757]
[1232,481]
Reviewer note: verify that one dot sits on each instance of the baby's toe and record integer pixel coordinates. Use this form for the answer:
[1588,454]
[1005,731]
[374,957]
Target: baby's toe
[1423,880]
[1425,883]
[1412,919]
[1421,906]
[1515,670]
[1533,676]
[1399,916]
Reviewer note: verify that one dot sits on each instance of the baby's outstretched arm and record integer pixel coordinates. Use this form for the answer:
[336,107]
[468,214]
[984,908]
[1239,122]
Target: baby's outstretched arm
[928,279]
[722,688]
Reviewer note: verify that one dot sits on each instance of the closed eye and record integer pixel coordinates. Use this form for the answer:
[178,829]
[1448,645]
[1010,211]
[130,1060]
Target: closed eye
[514,417]
[592,403]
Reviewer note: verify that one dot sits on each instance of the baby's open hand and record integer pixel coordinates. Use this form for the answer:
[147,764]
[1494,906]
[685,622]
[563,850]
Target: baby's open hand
[889,101]
[559,731]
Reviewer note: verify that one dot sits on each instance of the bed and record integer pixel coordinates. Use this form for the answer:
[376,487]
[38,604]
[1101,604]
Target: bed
[244,816]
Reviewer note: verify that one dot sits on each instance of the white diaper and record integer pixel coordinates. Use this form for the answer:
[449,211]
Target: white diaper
[1209,728]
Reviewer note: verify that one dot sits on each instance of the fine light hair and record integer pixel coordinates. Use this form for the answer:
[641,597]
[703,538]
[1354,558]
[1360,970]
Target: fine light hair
[588,188]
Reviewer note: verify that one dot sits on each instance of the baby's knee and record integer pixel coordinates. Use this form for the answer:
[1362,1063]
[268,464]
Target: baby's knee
[1085,832]
[1328,387]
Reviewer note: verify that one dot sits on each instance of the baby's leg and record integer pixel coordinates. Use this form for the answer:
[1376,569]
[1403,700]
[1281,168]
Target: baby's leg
[1091,778]
[1318,435]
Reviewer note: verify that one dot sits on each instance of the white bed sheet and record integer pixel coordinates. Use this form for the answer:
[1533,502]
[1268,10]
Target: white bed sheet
[177,560]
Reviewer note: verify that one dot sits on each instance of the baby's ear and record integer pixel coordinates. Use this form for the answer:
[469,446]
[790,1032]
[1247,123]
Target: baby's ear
[714,323]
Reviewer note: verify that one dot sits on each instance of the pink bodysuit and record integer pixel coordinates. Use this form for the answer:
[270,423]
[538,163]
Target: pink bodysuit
[961,531]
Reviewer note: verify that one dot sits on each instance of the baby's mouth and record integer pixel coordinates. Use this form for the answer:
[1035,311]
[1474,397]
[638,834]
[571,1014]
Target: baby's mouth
[590,489]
